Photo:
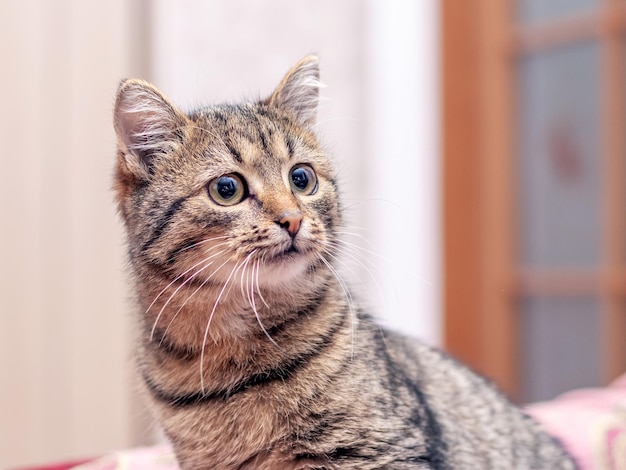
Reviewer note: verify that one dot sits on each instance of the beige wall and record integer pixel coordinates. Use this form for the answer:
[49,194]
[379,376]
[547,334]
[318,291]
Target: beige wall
[64,315]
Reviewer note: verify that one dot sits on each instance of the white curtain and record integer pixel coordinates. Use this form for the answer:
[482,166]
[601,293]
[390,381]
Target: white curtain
[379,117]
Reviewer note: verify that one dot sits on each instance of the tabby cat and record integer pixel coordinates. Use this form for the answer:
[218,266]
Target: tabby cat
[252,351]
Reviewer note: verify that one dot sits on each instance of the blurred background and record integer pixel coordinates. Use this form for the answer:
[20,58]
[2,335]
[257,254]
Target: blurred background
[534,191]
[480,149]
[66,316]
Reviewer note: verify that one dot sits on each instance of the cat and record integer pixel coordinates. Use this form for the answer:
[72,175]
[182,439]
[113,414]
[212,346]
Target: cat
[253,353]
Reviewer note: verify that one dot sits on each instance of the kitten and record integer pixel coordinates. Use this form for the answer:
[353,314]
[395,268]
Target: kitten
[251,352]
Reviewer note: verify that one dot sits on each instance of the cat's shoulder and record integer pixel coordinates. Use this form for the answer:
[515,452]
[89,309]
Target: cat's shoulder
[428,364]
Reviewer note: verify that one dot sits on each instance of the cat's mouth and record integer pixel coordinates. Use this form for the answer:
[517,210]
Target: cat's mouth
[292,253]
[287,254]
[285,263]
[291,249]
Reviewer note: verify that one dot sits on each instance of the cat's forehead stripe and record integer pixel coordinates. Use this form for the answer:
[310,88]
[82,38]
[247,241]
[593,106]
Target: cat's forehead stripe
[291,148]
[263,131]
[246,132]
[233,151]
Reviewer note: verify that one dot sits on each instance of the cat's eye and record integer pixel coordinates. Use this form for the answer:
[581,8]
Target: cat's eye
[303,179]
[227,190]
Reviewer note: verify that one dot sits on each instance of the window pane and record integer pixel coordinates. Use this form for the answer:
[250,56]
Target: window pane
[534,11]
[559,157]
[560,342]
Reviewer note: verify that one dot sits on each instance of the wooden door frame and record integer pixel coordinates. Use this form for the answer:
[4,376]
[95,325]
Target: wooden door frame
[481,280]
[477,113]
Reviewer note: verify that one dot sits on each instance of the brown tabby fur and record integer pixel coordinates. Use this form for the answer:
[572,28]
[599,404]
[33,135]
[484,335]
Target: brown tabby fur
[251,350]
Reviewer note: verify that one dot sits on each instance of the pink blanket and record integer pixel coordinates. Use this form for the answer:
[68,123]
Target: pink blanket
[145,458]
[591,424]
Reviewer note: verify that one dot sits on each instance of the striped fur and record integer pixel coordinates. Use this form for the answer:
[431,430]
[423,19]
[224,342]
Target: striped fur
[252,352]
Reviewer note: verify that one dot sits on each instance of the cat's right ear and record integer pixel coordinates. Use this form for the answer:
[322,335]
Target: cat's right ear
[298,92]
[147,126]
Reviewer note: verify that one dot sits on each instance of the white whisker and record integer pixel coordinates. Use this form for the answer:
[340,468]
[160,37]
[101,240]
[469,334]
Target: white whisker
[354,258]
[202,242]
[350,251]
[357,235]
[177,278]
[208,325]
[383,258]
[253,305]
[244,271]
[208,262]
[348,295]
[258,288]
[201,286]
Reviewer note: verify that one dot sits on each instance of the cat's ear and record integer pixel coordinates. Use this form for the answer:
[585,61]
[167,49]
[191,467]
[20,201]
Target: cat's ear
[147,125]
[298,92]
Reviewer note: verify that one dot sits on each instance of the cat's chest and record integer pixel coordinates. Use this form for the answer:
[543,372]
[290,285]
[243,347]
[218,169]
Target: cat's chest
[248,431]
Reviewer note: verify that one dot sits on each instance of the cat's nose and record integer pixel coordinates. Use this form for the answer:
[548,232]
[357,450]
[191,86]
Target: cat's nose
[290,221]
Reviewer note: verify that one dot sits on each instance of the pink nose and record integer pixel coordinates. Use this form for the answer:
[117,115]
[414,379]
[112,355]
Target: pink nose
[290,221]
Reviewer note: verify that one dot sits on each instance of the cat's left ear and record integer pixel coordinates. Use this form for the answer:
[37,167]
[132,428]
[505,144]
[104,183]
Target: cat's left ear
[298,92]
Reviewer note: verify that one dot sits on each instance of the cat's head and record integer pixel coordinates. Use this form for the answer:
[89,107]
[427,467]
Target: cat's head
[228,187]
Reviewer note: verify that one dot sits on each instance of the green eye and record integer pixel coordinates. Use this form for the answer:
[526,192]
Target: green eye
[303,180]
[227,190]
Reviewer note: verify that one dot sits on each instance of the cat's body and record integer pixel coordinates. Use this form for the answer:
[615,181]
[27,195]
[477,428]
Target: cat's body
[253,354]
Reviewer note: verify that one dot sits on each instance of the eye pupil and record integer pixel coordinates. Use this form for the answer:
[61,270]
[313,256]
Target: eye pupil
[300,178]
[227,190]
[227,187]
[303,179]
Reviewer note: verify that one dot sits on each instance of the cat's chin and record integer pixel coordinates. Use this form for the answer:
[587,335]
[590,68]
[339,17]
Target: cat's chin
[285,268]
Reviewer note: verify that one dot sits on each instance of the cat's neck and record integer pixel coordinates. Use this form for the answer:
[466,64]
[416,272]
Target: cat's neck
[195,315]
[211,340]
